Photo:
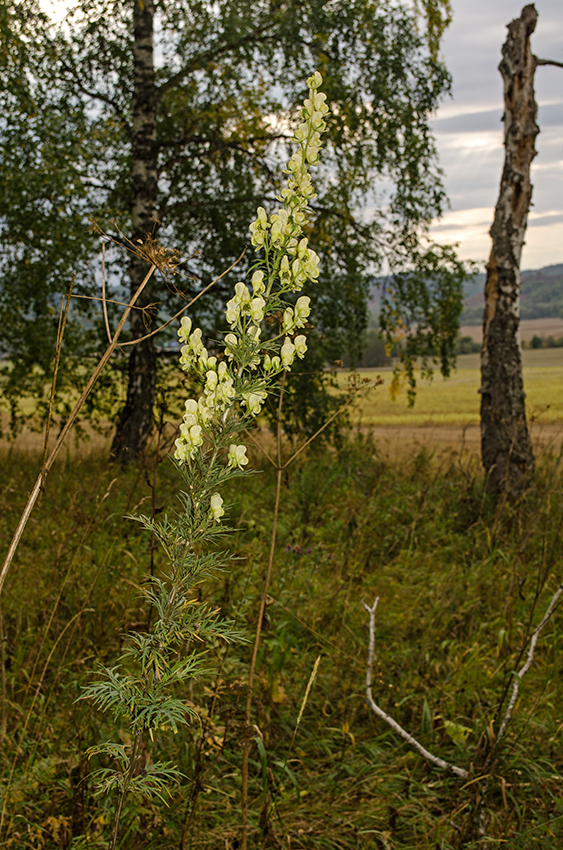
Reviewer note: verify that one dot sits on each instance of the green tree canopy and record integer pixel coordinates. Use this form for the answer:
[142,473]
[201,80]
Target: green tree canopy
[179,111]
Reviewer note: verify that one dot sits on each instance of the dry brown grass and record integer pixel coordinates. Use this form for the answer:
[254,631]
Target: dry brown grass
[528,329]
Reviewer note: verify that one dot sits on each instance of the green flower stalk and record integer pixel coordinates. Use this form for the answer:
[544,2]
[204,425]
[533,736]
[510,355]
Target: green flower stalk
[145,688]
[236,387]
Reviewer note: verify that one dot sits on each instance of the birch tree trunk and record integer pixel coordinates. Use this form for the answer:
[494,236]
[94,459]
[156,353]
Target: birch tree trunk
[505,442]
[136,419]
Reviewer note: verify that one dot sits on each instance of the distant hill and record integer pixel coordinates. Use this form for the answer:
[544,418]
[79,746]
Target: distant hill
[541,296]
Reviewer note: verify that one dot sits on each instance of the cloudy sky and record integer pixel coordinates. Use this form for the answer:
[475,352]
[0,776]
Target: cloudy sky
[469,131]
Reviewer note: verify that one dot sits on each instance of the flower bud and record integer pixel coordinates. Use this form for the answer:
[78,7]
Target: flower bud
[216,509]
[315,81]
[258,286]
[287,322]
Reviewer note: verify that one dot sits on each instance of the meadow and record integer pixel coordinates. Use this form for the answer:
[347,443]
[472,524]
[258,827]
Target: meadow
[456,399]
[461,584]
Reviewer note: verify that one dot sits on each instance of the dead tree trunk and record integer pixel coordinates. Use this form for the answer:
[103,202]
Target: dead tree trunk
[136,419]
[505,441]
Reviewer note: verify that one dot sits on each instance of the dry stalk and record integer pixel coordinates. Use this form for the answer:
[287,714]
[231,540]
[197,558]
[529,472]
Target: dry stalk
[261,612]
[65,304]
[158,261]
[63,435]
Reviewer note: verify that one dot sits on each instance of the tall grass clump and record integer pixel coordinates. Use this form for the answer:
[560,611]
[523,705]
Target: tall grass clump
[141,690]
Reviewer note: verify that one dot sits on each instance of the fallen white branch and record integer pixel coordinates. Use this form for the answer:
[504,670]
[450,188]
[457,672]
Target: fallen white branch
[529,658]
[444,765]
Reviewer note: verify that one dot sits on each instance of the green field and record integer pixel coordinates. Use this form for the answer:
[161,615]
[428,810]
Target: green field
[456,400]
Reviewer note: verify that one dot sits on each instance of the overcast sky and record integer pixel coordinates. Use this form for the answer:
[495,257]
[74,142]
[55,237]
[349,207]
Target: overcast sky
[469,131]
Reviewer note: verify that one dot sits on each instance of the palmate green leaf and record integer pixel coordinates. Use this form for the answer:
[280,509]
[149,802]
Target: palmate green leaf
[106,781]
[156,780]
[116,751]
[163,712]
[144,702]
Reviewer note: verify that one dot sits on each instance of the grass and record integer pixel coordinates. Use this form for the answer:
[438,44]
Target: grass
[456,400]
[459,584]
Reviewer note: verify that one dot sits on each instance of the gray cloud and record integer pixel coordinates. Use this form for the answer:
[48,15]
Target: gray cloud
[469,131]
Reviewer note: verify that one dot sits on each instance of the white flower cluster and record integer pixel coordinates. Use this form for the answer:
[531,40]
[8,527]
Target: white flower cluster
[241,379]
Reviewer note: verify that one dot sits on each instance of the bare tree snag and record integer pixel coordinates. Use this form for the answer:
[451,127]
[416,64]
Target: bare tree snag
[505,441]
[136,419]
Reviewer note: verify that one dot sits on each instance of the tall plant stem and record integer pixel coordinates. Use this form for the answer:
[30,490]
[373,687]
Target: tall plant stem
[65,304]
[33,496]
[123,793]
[263,603]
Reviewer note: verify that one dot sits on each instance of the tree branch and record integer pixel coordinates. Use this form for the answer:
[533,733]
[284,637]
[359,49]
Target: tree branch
[97,95]
[548,62]
[218,144]
[435,760]
[199,62]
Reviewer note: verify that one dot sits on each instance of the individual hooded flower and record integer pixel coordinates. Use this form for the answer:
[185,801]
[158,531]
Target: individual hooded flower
[237,456]
[194,349]
[185,328]
[231,342]
[288,322]
[190,439]
[205,362]
[258,286]
[205,411]
[195,343]
[254,401]
[285,271]
[259,228]
[211,380]
[271,364]
[257,310]
[287,354]
[300,343]
[233,312]
[191,415]
[302,310]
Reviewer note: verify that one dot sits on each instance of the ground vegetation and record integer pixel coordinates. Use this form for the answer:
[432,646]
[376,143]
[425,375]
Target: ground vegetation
[461,583]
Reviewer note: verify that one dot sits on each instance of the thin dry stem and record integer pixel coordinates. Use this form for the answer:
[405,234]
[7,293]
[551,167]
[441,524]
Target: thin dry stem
[64,433]
[316,434]
[263,603]
[104,300]
[60,333]
[186,306]
[435,760]
[258,445]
